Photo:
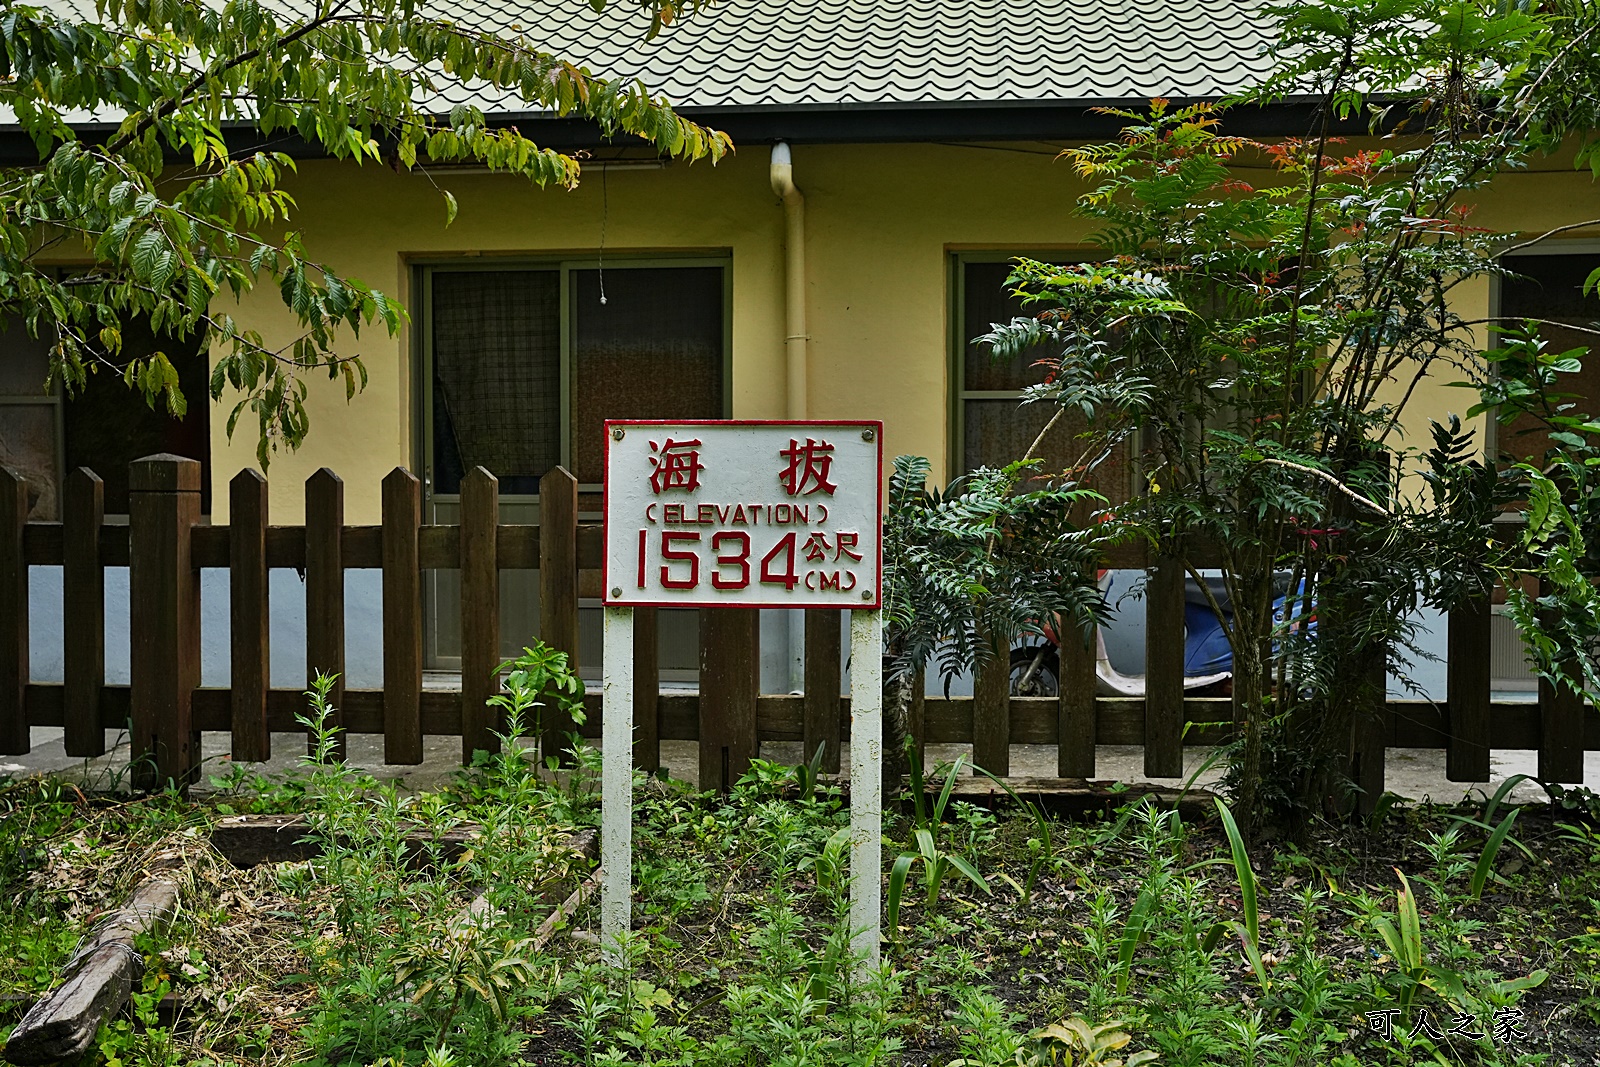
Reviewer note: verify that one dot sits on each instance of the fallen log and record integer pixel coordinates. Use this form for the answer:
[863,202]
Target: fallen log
[558,918]
[585,843]
[97,980]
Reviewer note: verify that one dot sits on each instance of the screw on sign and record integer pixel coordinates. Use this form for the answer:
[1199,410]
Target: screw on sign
[744,514]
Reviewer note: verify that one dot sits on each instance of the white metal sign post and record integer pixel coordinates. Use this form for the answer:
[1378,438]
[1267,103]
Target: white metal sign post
[753,515]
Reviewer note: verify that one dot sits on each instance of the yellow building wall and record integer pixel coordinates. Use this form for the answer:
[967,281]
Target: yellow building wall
[881,224]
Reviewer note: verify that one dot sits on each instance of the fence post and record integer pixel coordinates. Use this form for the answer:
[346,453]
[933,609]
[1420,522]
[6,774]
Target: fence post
[646,690]
[1467,692]
[1560,727]
[822,677]
[727,695]
[249,616]
[558,590]
[1163,669]
[991,711]
[83,602]
[402,618]
[14,619]
[325,591]
[480,610]
[164,592]
[1075,691]
[1372,728]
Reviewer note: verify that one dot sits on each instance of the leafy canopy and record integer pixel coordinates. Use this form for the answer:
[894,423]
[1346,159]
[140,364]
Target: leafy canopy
[1257,331]
[165,213]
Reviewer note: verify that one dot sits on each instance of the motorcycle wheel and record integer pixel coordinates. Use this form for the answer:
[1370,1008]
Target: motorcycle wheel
[1044,680]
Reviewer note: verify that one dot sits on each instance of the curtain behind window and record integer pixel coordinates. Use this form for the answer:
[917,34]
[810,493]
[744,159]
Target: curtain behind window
[497,376]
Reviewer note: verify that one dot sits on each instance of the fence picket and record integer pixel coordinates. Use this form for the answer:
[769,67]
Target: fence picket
[14,619]
[558,589]
[480,611]
[1075,693]
[646,694]
[1561,715]
[402,618]
[823,638]
[163,507]
[249,615]
[325,591]
[727,695]
[991,713]
[83,603]
[1467,697]
[1163,669]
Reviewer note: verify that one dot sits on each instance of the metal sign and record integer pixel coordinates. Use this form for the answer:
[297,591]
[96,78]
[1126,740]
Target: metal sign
[744,514]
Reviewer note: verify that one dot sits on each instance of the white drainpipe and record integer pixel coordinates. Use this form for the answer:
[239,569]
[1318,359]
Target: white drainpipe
[794,247]
[794,343]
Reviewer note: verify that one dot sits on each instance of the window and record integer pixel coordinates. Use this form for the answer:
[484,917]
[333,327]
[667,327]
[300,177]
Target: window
[104,426]
[521,365]
[989,425]
[526,364]
[1550,287]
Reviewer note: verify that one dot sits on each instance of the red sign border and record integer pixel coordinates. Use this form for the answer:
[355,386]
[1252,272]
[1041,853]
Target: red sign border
[875,425]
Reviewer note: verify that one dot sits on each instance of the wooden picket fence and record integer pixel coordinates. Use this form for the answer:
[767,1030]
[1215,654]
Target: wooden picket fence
[164,543]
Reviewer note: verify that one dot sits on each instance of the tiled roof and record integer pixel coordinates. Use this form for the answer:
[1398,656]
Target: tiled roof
[829,53]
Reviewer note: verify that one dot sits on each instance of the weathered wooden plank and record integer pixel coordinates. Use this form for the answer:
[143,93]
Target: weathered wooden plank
[646,680]
[1469,681]
[991,712]
[823,677]
[249,616]
[83,601]
[558,589]
[164,590]
[480,611]
[1075,695]
[97,979]
[250,840]
[1163,668]
[323,544]
[1561,715]
[1372,730]
[14,617]
[728,734]
[402,618]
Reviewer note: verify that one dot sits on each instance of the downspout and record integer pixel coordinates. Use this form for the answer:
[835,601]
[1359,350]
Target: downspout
[794,345]
[794,251]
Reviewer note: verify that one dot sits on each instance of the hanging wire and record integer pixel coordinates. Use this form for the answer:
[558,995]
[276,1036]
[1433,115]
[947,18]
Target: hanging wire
[605,212]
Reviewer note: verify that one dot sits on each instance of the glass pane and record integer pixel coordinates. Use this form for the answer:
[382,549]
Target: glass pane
[24,362]
[987,302]
[496,376]
[653,350]
[107,425]
[1551,287]
[28,446]
[997,432]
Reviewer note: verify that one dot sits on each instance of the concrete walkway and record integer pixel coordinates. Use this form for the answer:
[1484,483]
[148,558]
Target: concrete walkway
[1415,773]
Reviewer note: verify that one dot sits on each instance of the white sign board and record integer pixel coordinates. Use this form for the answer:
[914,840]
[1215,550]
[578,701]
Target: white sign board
[744,514]
[751,515]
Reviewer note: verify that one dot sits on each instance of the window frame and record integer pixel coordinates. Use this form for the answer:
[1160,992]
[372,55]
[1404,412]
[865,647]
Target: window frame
[1579,247]
[960,333]
[565,264]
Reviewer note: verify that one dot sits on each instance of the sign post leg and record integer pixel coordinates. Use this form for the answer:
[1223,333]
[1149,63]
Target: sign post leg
[616,780]
[866,784]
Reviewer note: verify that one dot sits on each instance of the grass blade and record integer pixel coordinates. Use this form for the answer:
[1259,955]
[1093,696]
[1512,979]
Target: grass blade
[1491,849]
